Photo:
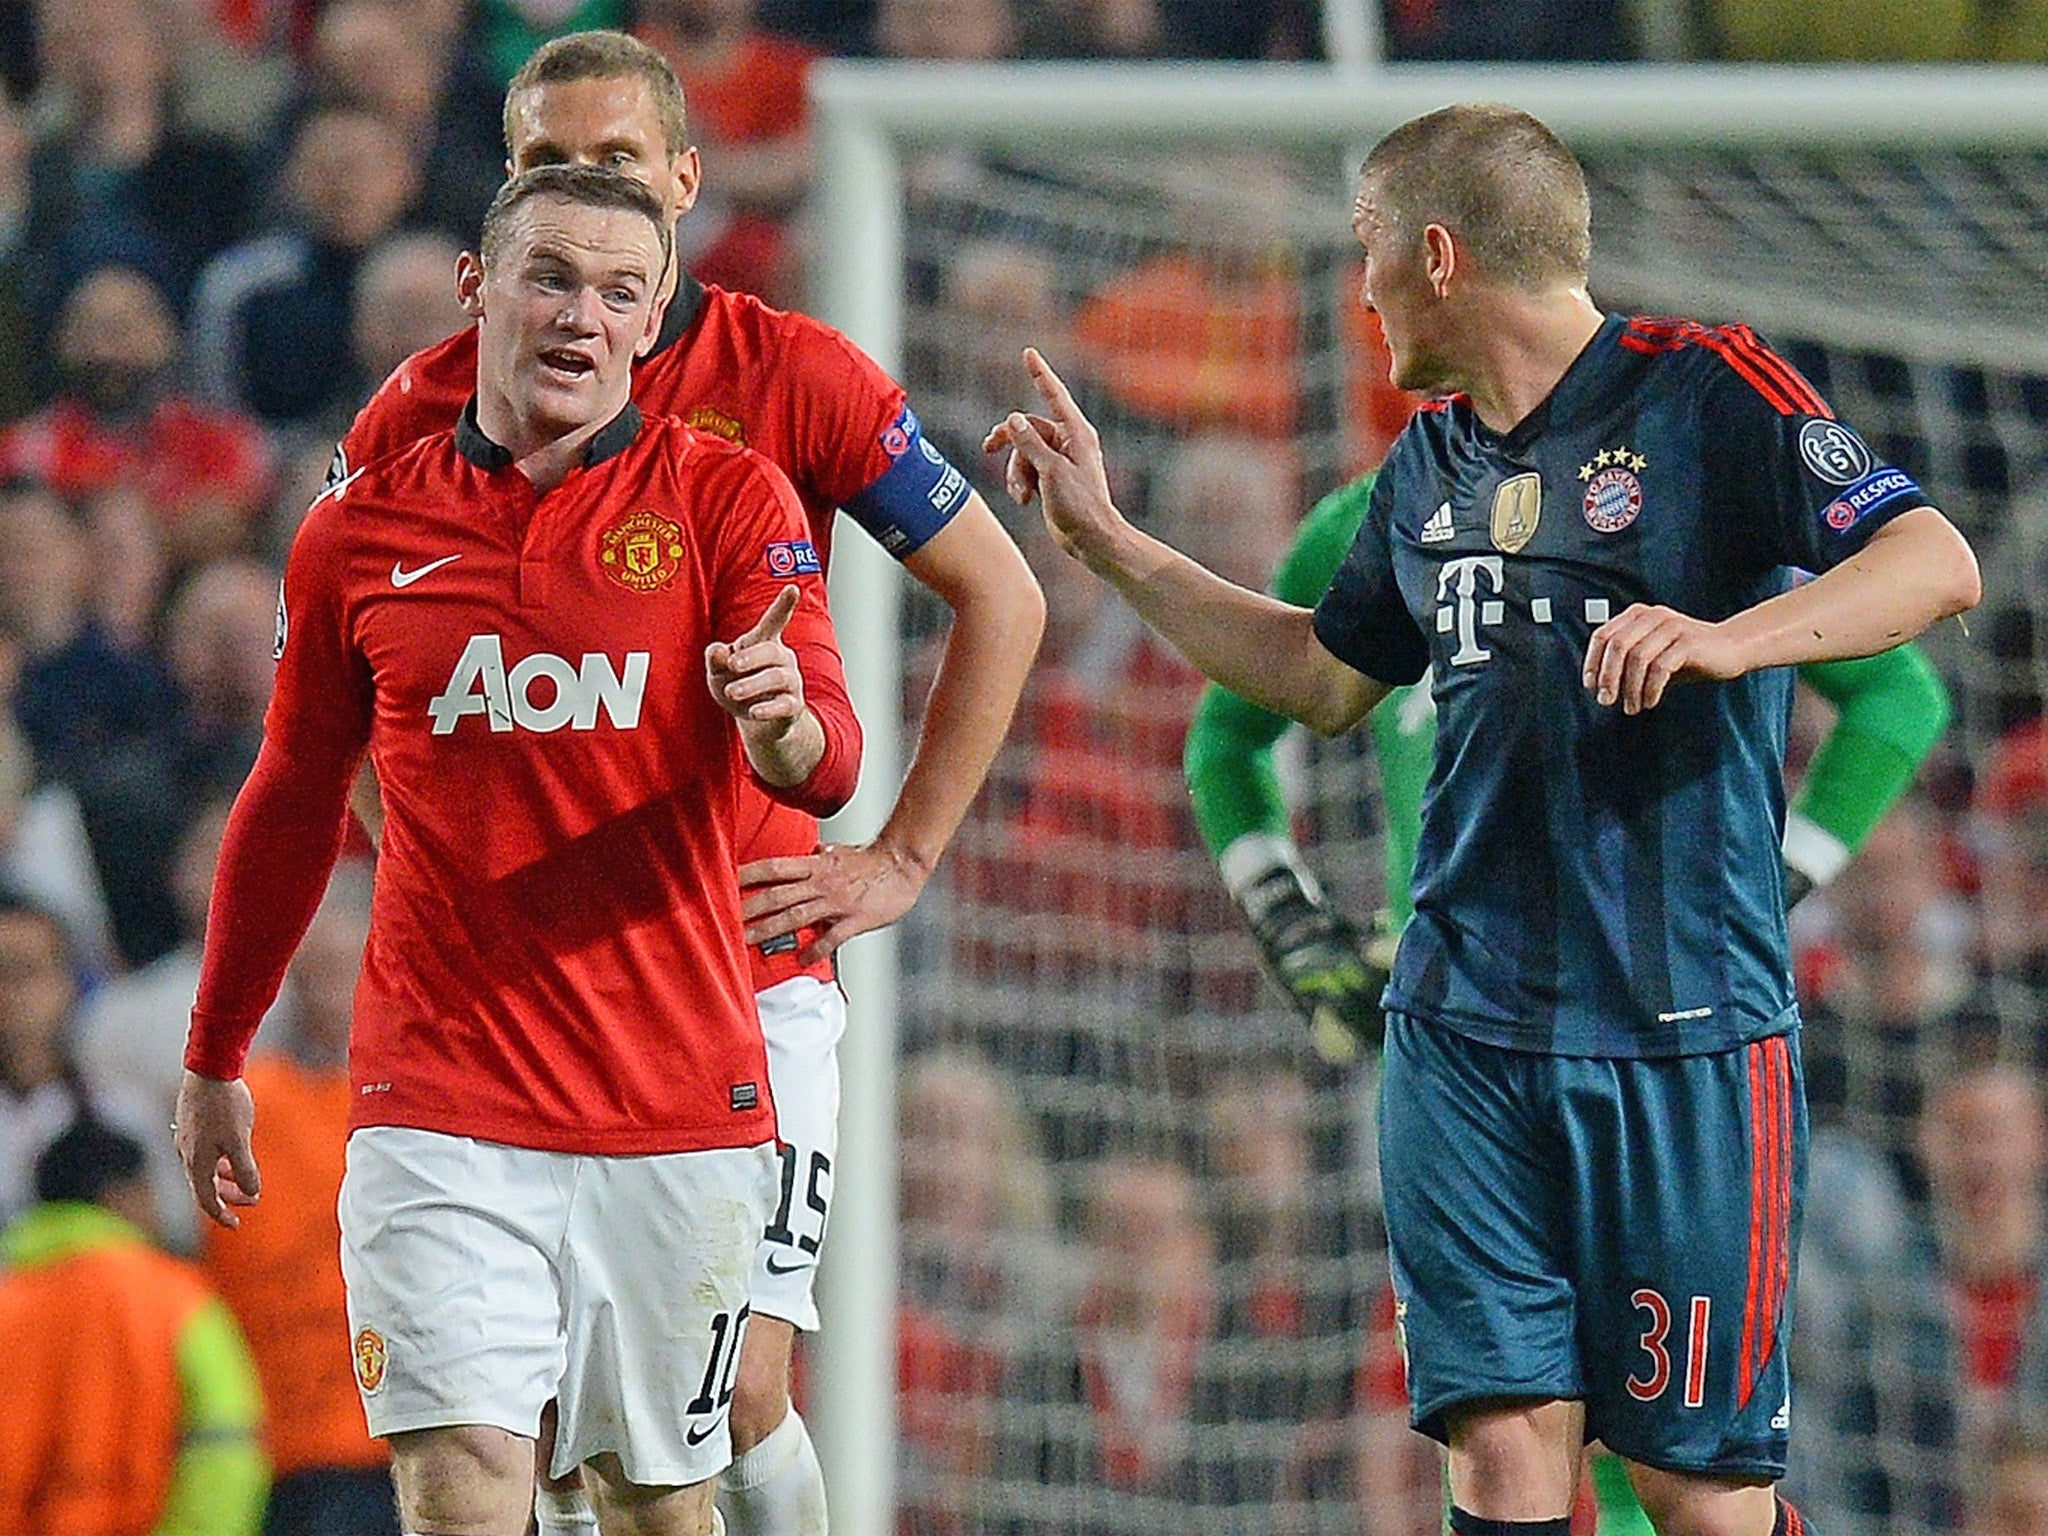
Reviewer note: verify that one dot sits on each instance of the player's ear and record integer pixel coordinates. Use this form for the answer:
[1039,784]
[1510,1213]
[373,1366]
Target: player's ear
[1440,258]
[688,174]
[469,284]
[652,332]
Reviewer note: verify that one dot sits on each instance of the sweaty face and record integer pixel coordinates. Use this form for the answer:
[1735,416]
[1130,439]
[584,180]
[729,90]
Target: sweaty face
[567,303]
[612,124]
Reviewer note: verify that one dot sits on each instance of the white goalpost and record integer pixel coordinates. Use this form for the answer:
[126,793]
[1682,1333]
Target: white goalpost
[1889,226]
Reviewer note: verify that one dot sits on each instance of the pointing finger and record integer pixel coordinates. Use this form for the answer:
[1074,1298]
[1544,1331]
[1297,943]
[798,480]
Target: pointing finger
[1057,399]
[773,622]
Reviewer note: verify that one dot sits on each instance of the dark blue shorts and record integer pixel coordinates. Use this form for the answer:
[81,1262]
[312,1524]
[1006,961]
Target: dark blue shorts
[1615,1230]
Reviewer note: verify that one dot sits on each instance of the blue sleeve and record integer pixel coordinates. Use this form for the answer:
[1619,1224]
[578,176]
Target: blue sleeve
[1813,491]
[1363,620]
[916,496]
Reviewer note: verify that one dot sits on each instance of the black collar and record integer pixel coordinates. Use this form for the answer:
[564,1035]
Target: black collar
[680,316]
[613,438]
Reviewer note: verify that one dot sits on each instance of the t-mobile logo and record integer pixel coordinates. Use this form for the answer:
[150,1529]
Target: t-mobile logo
[1461,607]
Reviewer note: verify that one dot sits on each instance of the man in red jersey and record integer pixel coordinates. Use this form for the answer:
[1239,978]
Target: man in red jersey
[806,397]
[562,1145]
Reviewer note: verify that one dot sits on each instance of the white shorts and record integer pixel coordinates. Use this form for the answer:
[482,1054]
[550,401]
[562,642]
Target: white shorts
[485,1280]
[801,1021]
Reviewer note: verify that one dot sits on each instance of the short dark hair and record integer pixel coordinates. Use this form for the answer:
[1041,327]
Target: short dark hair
[585,184]
[86,1161]
[601,55]
[1499,180]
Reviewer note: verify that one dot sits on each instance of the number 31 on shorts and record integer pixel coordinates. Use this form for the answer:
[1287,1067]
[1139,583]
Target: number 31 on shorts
[1655,1342]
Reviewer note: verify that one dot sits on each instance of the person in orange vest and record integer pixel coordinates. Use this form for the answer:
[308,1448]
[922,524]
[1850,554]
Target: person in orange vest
[132,1403]
[280,1271]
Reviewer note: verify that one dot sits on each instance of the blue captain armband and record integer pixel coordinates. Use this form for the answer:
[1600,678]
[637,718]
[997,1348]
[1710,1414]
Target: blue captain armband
[915,497]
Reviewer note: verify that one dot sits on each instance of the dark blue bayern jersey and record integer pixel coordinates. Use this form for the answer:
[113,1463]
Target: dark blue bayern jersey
[1590,883]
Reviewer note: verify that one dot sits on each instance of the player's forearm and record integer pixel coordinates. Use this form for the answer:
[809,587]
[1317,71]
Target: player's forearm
[282,839]
[1915,571]
[1258,647]
[997,622]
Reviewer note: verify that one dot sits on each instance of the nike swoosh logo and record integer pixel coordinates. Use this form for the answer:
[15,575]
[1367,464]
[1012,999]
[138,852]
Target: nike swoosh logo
[401,577]
[695,1437]
[785,1269]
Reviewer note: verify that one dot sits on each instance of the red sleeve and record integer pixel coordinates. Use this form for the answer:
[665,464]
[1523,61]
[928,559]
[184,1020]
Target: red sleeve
[765,546]
[287,824]
[846,406]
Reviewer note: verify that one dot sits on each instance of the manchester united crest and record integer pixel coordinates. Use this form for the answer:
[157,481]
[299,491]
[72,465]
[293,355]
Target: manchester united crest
[642,551]
[1613,493]
[369,1354]
[1517,509]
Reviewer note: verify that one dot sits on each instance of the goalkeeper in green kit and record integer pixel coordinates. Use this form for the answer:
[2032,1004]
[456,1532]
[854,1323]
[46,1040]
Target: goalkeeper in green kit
[1891,709]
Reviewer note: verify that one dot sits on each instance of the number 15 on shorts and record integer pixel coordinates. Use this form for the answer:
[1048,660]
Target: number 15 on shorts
[1653,1377]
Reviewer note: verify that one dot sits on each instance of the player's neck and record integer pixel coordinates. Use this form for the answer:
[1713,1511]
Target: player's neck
[1526,345]
[543,458]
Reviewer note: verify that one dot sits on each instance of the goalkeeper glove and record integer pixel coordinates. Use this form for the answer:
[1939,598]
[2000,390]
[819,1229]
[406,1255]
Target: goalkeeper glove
[1321,959]
[1798,886]
[1813,857]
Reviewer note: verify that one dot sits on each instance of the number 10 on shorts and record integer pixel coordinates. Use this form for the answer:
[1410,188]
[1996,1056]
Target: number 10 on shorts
[1655,1344]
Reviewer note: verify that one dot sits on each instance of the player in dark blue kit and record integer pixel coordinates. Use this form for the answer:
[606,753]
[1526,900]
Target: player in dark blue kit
[1592,1125]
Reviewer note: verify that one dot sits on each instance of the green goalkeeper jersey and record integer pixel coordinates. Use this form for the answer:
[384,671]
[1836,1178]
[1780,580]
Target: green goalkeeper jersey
[1890,711]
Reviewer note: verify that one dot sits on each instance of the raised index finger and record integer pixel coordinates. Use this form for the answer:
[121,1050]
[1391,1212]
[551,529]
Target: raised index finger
[771,624]
[1057,400]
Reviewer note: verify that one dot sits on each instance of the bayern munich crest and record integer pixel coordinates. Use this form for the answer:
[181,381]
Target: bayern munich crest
[1614,496]
[642,551]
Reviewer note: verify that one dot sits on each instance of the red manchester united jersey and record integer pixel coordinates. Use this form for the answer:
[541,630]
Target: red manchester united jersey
[555,957]
[786,385]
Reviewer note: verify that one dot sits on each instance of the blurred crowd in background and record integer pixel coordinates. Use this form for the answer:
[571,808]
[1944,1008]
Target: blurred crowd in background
[1142,1283]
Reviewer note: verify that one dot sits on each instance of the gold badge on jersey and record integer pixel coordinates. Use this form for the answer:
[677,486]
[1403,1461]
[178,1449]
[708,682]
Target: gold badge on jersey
[1517,509]
[705,419]
[642,551]
[370,1358]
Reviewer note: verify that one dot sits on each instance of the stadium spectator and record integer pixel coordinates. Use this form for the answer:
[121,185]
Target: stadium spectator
[1984,1144]
[79,694]
[219,638]
[45,854]
[43,1088]
[132,1405]
[1140,1364]
[398,63]
[404,300]
[1096,29]
[1549,31]
[279,1273]
[2010,1496]
[1243,29]
[995,296]
[270,317]
[979,1274]
[2011,842]
[122,418]
[508,32]
[132,1029]
[21,383]
[953,31]
[750,118]
[1875,1354]
[119,178]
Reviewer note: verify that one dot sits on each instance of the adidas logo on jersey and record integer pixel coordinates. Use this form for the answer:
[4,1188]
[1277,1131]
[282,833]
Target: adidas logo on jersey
[1439,529]
[574,697]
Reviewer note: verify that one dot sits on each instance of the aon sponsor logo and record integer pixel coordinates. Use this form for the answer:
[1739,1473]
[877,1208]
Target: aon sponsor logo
[541,692]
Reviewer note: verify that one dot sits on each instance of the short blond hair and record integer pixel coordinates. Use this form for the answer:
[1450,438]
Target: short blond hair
[1499,181]
[604,56]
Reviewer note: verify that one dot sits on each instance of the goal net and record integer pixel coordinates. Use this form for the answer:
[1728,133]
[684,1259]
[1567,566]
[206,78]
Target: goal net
[1141,1284]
